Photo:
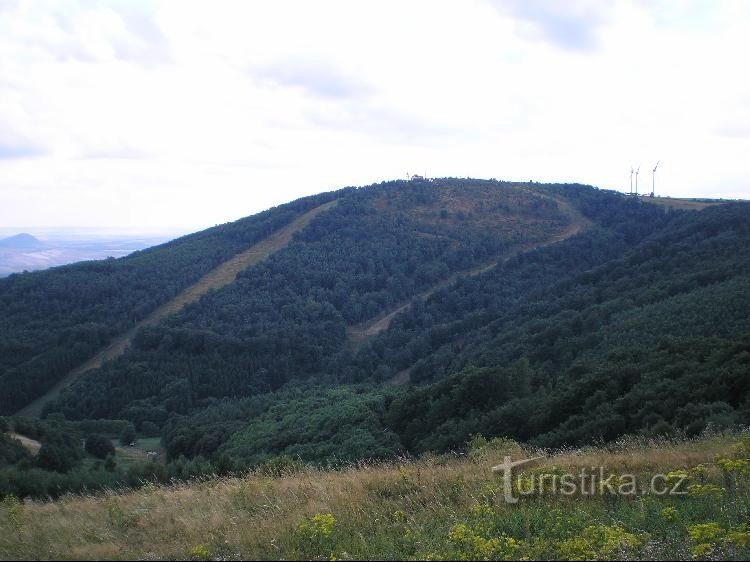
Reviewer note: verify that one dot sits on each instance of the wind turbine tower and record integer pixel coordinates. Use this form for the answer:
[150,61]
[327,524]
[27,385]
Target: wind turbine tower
[636,179]
[631,179]
[653,179]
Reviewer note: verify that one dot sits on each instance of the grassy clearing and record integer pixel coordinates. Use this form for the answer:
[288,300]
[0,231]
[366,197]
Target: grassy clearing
[128,456]
[681,204]
[437,507]
[149,443]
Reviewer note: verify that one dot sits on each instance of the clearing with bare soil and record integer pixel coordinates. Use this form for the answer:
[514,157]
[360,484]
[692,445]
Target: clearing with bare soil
[31,445]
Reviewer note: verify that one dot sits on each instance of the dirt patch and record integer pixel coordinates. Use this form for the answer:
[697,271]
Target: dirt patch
[31,445]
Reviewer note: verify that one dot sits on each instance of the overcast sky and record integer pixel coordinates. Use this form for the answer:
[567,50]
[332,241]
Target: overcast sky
[176,114]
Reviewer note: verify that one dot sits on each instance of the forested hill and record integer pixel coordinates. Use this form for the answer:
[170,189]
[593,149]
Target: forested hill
[54,320]
[381,245]
[406,318]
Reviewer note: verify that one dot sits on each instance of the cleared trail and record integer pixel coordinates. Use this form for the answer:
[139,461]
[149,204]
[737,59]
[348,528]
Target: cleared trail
[380,323]
[222,275]
[31,445]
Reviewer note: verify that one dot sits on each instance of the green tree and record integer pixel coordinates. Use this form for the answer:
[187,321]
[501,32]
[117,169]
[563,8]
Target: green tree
[128,435]
[99,446]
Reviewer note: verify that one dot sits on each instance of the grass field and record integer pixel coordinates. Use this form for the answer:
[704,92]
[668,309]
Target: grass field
[126,456]
[437,507]
[681,204]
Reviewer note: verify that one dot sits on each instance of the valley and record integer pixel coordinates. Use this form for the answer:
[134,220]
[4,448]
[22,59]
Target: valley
[24,252]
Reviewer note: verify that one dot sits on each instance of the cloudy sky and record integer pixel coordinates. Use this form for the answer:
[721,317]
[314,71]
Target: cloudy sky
[174,114]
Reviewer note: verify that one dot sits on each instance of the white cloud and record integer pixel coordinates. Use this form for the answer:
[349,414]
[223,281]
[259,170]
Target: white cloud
[573,24]
[17,145]
[187,113]
[315,77]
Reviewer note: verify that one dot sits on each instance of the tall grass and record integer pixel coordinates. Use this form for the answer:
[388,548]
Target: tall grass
[434,507]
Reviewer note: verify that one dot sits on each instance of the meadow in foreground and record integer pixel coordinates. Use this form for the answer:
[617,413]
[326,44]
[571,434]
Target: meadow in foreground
[434,507]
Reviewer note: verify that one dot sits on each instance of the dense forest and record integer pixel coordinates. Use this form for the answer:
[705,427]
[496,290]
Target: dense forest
[287,317]
[80,456]
[54,320]
[553,314]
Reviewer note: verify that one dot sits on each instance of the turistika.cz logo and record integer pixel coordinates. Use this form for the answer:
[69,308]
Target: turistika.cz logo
[587,482]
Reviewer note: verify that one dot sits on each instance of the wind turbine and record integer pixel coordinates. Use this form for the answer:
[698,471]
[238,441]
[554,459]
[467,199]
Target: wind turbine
[653,179]
[631,179]
[636,178]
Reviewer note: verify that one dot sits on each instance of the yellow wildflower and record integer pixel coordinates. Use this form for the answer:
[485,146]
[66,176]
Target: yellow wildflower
[670,514]
[705,532]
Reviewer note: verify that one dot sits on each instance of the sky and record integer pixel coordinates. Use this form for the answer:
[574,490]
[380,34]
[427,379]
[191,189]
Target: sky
[155,115]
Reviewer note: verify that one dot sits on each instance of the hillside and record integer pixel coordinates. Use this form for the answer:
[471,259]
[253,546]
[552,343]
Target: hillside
[218,277]
[680,203]
[412,222]
[434,508]
[369,323]
[57,319]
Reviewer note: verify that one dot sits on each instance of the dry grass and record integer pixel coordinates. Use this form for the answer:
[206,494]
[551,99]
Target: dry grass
[255,516]
[31,445]
[219,277]
[680,204]
[649,456]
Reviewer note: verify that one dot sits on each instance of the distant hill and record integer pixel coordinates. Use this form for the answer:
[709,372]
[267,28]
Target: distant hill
[24,252]
[21,241]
